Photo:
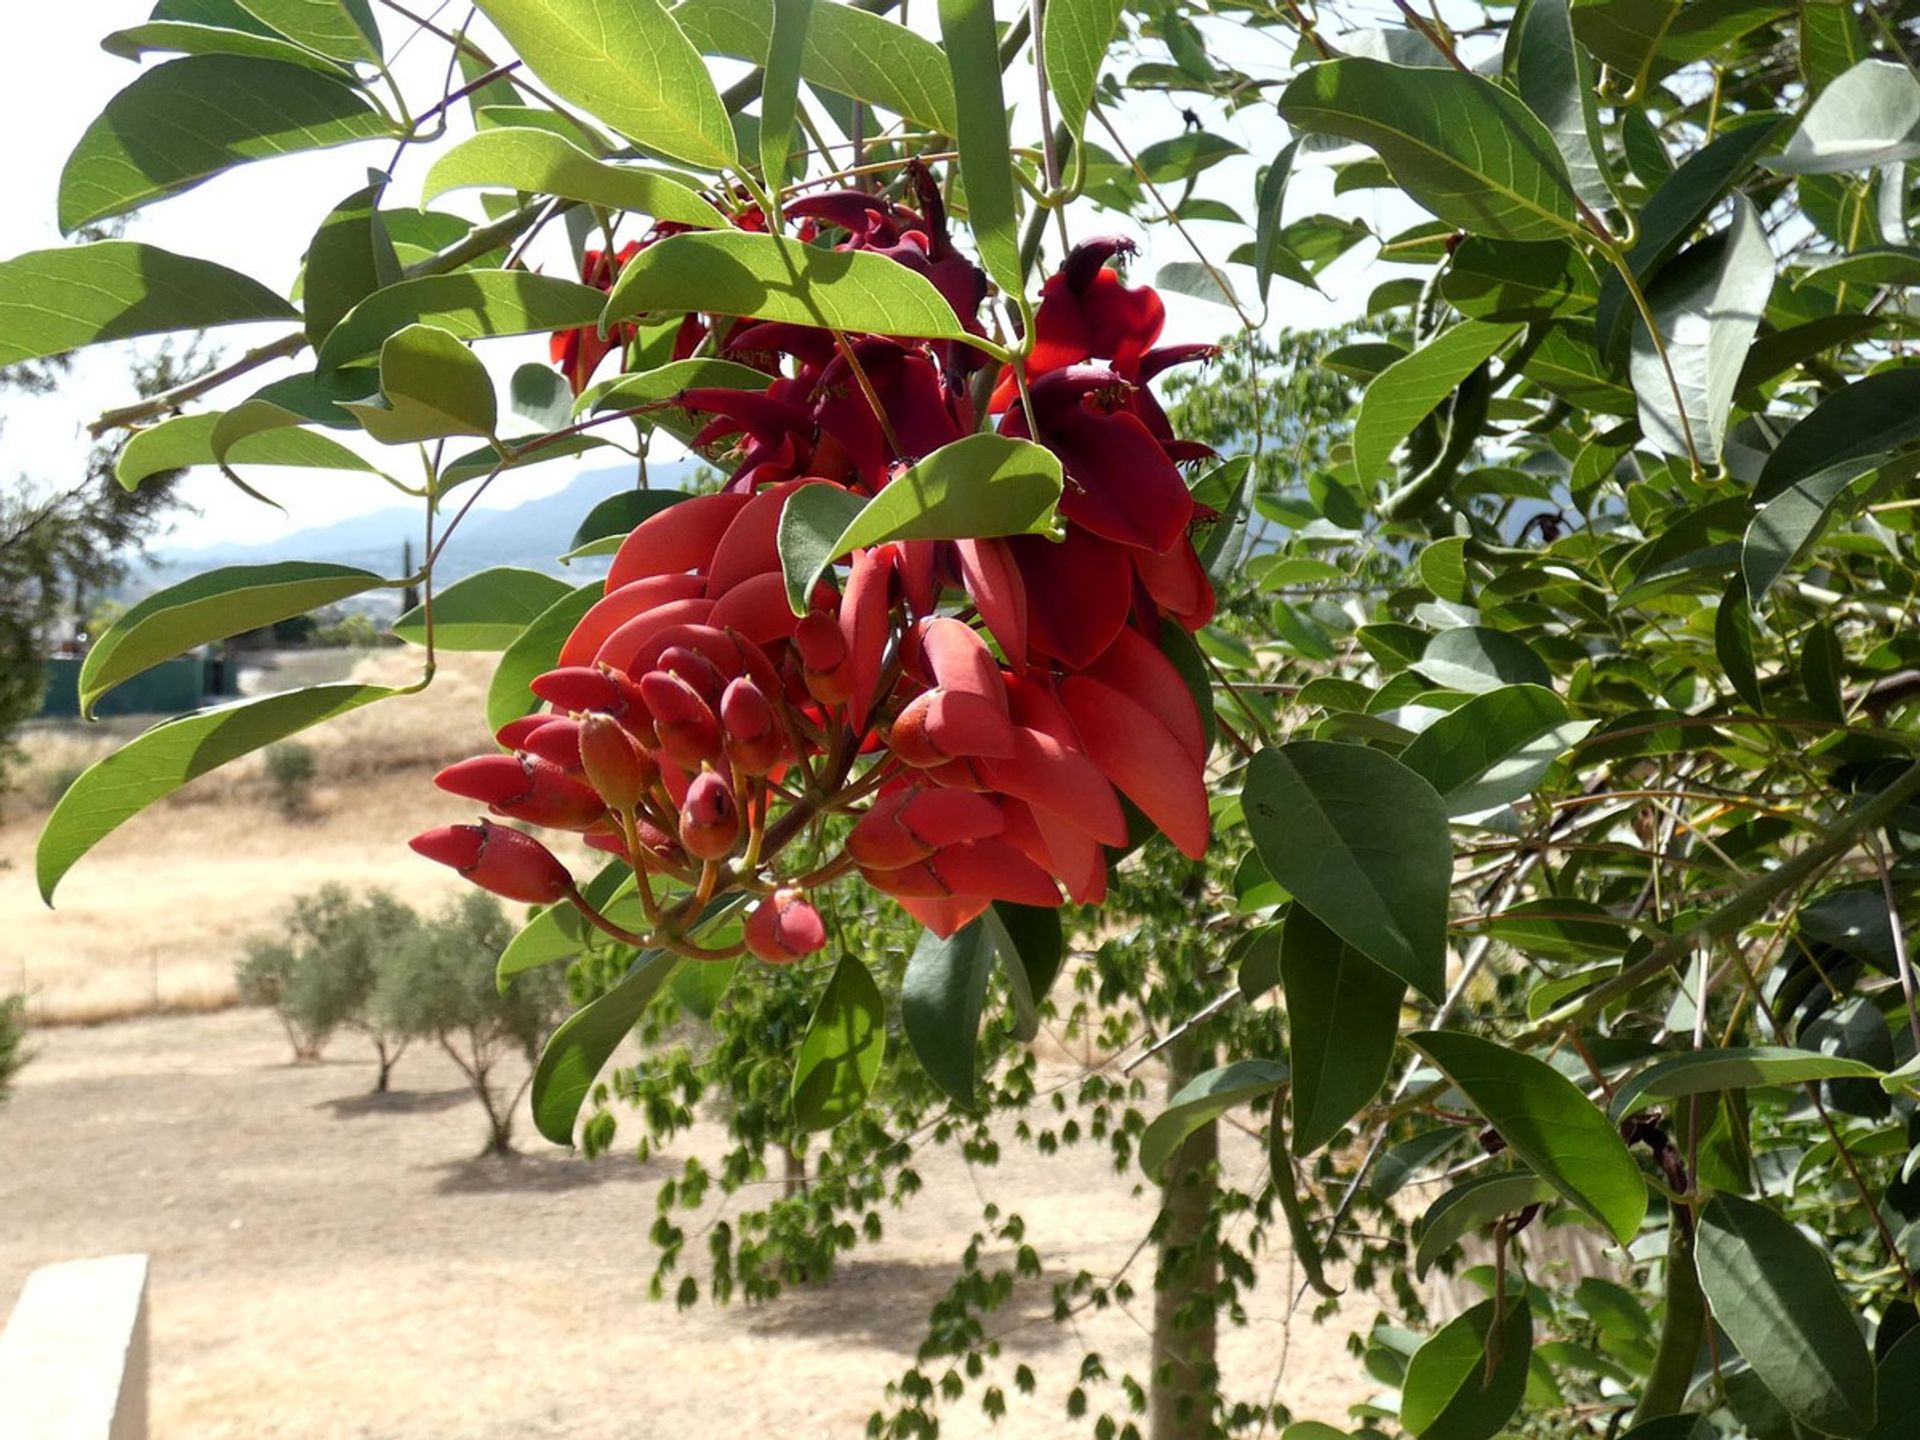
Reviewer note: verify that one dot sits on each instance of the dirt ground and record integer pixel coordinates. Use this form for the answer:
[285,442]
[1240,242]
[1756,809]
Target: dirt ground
[329,1265]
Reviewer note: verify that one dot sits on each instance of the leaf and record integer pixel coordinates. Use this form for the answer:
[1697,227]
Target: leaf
[986,168]
[337,29]
[1784,527]
[470,305]
[187,120]
[350,257]
[780,88]
[580,1047]
[1478,659]
[487,611]
[1268,205]
[1707,305]
[615,517]
[1548,1123]
[1361,841]
[211,607]
[839,1057]
[628,62]
[1495,749]
[848,51]
[1201,1101]
[940,999]
[1773,1293]
[534,652]
[730,272]
[974,488]
[1700,1072]
[1647,39]
[1869,116]
[1031,947]
[169,755]
[1899,1390]
[1857,426]
[1555,80]
[1343,1012]
[540,394]
[187,440]
[543,163]
[52,301]
[1449,1394]
[1474,1203]
[1518,280]
[1821,662]
[1457,144]
[1202,282]
[1074,38]
[434,387]
[173,37]
[1733,644]
[1408,390]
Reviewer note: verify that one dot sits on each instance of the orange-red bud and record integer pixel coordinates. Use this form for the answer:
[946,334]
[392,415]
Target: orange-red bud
[824,659]
[512,865]
[524,787]
[753,739]
[785,926]
[557,741]
[614,765]
[709,818]
[688,729]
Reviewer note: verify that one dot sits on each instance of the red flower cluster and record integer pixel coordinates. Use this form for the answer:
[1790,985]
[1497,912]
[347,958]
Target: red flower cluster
[698,725]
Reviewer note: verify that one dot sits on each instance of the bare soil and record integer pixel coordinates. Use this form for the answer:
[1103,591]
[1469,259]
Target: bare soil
[329,1264]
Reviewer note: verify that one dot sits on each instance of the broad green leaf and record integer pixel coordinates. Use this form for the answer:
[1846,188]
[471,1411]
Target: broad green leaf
[470,304]
[1773,1293]
[1518,280]
[1449,1394]
[975,488]
[52,301]
[534,652]
[557,932]
[1550,70]
[1856,428]
[940,999]
[839,1057]
[731,272]
[176,37]
[1361,841]
[1457,144]
[1179,158]
[1074,38]
[1479,659]
[1031,948]
[1869,116]
[1404,1161]
[543,163]
[780,88]
[1899,1390]
[1832,42]
[169,755]
[1202,282]
[1645,40]
[187,120]
[339,29]
[848,51]
[1733,644]
[1788,524]
[1707,306]
[628,62]
[1201,1101]
[700,988]
[540,394]
[434,387]
[188,440]
[1474,1203]
[973,55]
[1408,390]
[1734,1068]
[488,611]
[1493,750]
[615,517]
[350,257]
[579,1049]
[650,387]
[1343,1012]
[1548,1123]
[1560,927]
[1567,364]
[1268,205]
[211,607]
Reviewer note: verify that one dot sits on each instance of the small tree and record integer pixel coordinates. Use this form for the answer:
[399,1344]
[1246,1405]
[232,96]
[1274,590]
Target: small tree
[439,985]
[13,1050]
[290,770]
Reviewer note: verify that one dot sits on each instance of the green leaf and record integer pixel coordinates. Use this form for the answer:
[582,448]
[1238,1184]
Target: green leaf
[1201,1101]
[1733,644]
[337,29]
[1449,1394]
[973,55]
[1361,841]
[351,256]
[1784,527]
[540,394]
[848,51]
[1408,390]
[174,37]
[974,488]
[780,88]
[211,607]
[1268,205]
[543,163]
[839,1058]
[1074,38]
[940,999]
[1899,1390]
[169,755]
[1459,145]
[188,440]
[615,517]
[1700,1072]
[628,62]
[1031,947]
[579,1049]
[1707,305]
[1202,282]
[470,304]
[1773,1293]
[1556,82]
[1475,1202]
[488,611]
[1645,40]
[731,272]
[1518,280]
[1548,1123]
[534,652]
[1343,1012]
[1869,116]
[1479,659]
[1493,750]
[434,387]
[187,120]
[1857,427]
[52,301]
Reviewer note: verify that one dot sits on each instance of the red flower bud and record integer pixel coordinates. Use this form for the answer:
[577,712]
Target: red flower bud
[688,729]
[557,741]
[709,819]
[513,735]
[785,926]
[582,688]
[524,788]
[694,668]
[614,765]
[512,865]
[824,661]
[753,739]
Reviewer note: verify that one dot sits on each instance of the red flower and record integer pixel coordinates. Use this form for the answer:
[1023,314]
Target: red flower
[578,353]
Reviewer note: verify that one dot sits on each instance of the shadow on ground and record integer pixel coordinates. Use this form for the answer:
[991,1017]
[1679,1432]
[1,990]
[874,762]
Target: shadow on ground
[549,1172]
[885,1303]
[394,1102]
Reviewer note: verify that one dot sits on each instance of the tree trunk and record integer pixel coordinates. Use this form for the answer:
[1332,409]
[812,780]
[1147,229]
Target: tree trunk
[794,1182]
[1184,1376]
[388,1059]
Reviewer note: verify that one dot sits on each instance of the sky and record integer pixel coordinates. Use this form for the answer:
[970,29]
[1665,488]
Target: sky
[54,79]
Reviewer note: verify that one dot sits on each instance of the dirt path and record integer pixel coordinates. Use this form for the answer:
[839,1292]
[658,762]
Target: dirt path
[328,1267]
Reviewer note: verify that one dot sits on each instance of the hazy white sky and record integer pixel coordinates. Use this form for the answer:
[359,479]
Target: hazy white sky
[54,79]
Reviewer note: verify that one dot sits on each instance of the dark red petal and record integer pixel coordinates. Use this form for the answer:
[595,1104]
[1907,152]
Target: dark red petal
[1078,593]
